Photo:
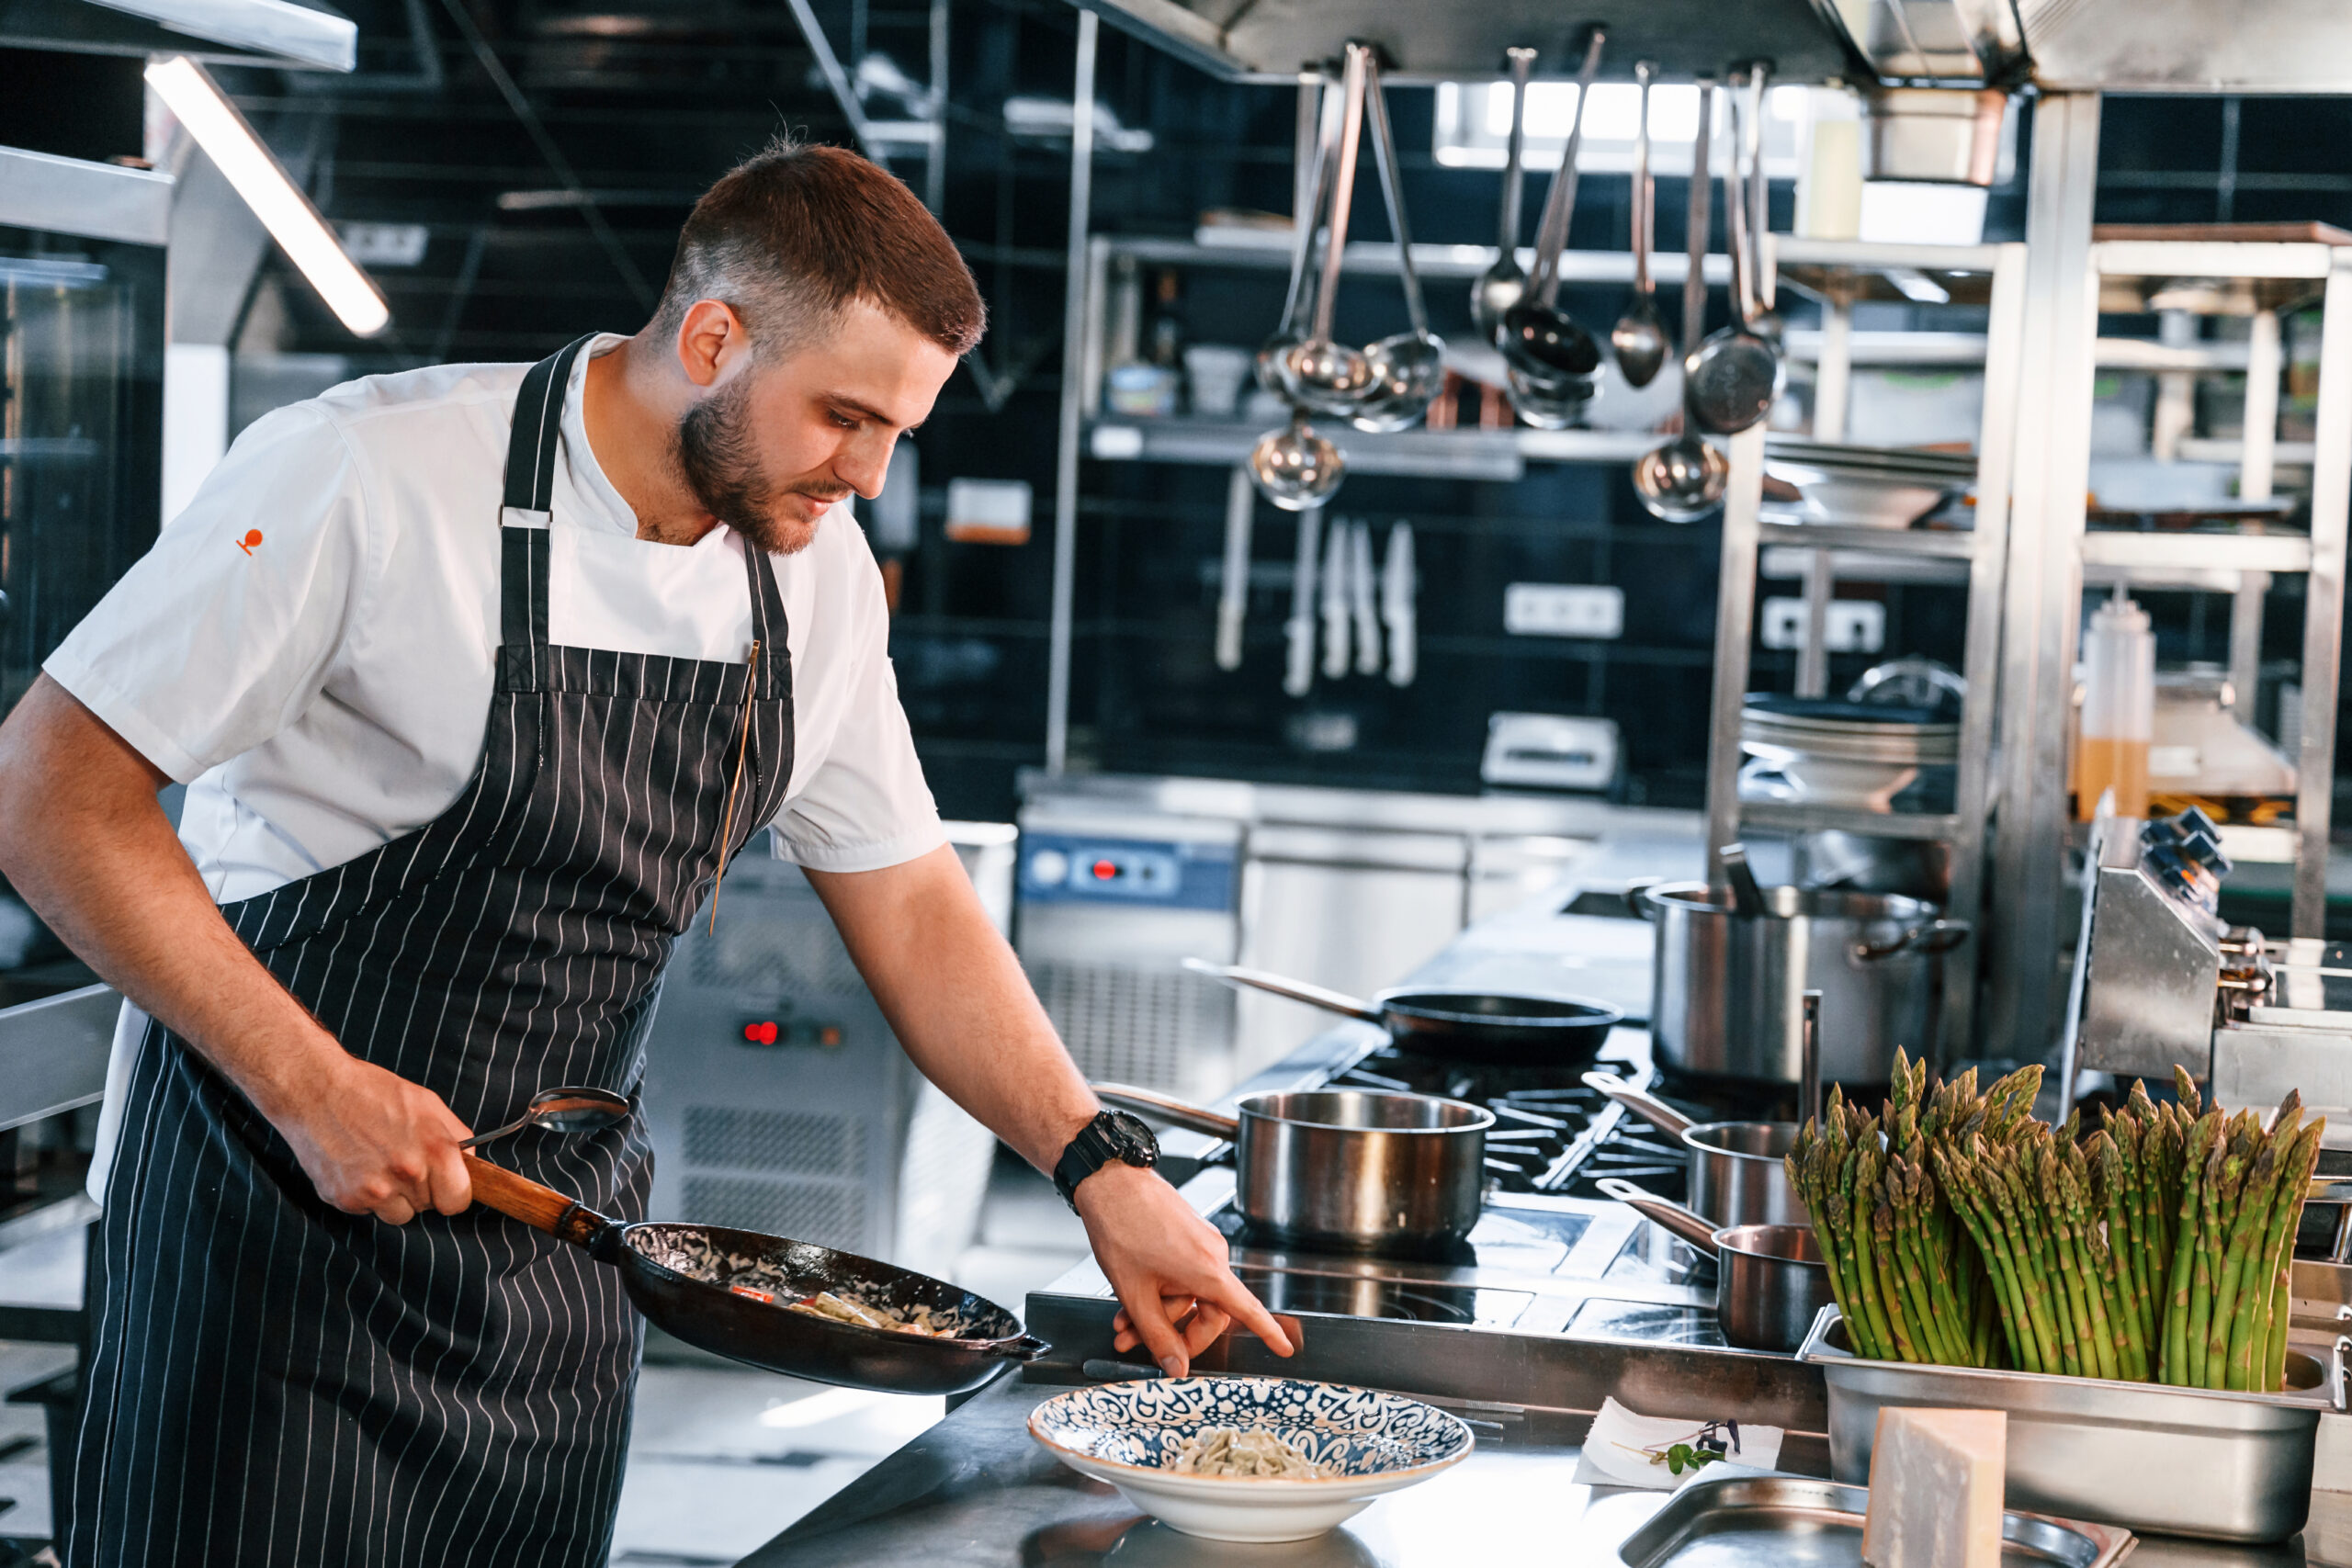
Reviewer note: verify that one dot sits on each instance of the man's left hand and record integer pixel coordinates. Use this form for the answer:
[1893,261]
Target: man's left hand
[1167,1265]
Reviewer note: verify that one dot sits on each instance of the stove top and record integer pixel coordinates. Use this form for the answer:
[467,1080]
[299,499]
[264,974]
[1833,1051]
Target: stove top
[1551,1132]
[1549,1256]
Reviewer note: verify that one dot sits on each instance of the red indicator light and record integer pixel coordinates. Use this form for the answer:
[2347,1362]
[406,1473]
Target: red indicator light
[1105,870]
[760,1033]
[829,1035]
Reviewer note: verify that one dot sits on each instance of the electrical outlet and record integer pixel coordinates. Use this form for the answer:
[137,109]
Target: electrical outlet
[1856,625]
[1563,609]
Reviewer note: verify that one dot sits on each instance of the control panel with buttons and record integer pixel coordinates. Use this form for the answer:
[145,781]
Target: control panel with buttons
[1056,868]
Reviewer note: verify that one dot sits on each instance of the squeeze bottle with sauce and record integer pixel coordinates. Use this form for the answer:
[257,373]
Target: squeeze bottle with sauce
[2119,710]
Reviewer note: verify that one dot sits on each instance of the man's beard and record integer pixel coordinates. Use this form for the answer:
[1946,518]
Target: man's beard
[719,458]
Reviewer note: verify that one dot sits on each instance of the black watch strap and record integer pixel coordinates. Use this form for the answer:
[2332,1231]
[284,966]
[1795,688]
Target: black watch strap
[1112,1136]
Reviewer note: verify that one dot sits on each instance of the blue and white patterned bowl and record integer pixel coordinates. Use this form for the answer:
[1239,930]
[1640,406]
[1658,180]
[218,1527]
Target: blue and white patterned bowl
[1128,1433]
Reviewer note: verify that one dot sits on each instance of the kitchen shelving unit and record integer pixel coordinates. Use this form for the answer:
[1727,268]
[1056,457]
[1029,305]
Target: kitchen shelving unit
[2075,277]
[1496,456]
[1841,273]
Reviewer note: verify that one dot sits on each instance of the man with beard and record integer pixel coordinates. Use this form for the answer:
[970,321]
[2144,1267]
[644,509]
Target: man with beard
[476,675]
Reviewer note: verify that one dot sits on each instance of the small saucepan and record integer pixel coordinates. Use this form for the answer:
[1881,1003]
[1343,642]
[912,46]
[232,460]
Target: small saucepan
[1501,1028]
[1346,1170]
[1771,1281]
[1736,1174]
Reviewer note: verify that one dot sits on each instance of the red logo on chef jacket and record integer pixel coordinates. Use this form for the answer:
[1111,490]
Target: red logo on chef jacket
[253,537]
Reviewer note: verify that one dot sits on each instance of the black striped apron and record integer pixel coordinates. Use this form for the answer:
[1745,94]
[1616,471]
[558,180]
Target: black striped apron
[272,1380]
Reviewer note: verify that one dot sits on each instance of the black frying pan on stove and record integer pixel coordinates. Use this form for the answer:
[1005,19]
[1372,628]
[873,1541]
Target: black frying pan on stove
[754,1329]
[1499,1028]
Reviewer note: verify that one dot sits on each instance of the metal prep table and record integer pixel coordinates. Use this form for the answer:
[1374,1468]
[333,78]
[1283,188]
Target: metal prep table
[974,1491]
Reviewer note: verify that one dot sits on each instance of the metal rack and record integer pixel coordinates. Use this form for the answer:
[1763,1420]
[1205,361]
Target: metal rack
[1495,455]
[1841,273]
[2072,278]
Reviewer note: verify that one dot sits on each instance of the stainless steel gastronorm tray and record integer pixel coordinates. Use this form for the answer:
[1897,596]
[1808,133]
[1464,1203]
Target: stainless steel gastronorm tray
[2189,1461]
[1788,1521]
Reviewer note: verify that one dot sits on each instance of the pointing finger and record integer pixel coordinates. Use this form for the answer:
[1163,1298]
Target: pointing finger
[1167,1347]
[1234,1296]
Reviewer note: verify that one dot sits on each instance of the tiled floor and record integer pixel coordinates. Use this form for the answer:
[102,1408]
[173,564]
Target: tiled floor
[720,1458]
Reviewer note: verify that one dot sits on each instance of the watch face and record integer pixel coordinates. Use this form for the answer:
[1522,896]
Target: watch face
[1132,1139]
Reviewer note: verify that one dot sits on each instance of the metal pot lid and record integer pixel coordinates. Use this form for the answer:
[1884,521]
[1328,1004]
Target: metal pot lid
[1839,713]
[1825,903]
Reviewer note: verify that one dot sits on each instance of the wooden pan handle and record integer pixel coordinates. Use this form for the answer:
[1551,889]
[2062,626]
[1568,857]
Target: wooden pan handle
[543,1208]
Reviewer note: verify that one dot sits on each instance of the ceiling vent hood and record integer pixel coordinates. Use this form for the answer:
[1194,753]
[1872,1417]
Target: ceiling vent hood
[227,32]
[2135,45]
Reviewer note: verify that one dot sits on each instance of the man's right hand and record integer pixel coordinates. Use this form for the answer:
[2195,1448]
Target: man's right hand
[376,1143]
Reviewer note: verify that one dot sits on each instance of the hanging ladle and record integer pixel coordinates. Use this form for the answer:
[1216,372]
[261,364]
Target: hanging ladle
[1538,338]
[1294,467]
[1639,336]
[1408,367]
[1328,377]
[1684,480]
[1272,355]
[1500,287]
[1766,323]
[1731,379]
[564,1110]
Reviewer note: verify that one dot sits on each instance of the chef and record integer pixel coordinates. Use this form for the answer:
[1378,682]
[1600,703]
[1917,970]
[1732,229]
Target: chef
[476,675]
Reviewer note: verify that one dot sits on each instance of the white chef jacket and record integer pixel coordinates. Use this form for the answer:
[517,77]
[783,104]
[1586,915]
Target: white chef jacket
[308,647]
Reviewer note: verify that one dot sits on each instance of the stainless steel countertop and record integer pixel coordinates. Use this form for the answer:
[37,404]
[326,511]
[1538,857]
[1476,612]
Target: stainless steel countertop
[976,1492]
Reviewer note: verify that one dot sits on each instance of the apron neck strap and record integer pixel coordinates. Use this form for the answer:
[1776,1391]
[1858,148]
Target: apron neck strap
[538,431]
[531,446]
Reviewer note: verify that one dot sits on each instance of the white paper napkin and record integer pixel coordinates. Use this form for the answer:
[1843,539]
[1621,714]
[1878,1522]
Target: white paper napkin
[1613,1456]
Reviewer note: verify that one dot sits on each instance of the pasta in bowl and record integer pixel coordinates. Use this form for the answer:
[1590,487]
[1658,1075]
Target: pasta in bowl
[1249,1459]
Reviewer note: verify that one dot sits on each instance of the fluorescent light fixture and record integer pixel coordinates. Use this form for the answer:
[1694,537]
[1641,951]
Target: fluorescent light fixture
[188,90]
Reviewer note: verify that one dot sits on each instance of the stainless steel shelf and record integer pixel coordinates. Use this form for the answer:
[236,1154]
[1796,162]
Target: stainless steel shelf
[1967,349]
[1268,250]
[1496,454]
[2197,552]
[1941,543]
[1925,826]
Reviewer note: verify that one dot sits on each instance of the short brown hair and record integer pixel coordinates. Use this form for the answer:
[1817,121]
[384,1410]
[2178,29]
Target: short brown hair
[791,235]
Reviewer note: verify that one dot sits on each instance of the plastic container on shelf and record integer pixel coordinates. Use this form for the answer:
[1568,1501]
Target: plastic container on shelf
[2118,715]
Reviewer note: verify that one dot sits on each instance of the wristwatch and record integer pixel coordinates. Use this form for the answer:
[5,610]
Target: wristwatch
[1112,1136]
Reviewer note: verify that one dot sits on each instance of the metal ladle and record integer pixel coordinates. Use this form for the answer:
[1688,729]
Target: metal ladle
[1328,377]
[1639,336]
[1537,337]
[563,1109]
[1294,467]
[1408,367]
[1500,287]
[1273,353]
[1730,380]
[1766,323]
[1684,480]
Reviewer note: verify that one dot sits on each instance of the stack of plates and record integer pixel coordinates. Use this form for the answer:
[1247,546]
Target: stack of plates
[1869,487]
[1822,751]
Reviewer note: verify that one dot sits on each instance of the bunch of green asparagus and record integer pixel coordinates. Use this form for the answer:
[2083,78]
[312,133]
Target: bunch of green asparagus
[1961,1232]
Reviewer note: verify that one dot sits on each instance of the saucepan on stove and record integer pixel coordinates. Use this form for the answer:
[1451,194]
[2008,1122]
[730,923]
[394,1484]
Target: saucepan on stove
[1505,1028]
[1736,1176]
[728,1291]
[1771,1281]
[1344,1170]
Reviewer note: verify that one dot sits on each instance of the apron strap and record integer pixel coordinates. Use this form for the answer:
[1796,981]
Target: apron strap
[768,624]
[531,447]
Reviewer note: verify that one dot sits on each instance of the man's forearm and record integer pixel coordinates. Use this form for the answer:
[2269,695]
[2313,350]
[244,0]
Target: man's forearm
[98,861]
[958,1001]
